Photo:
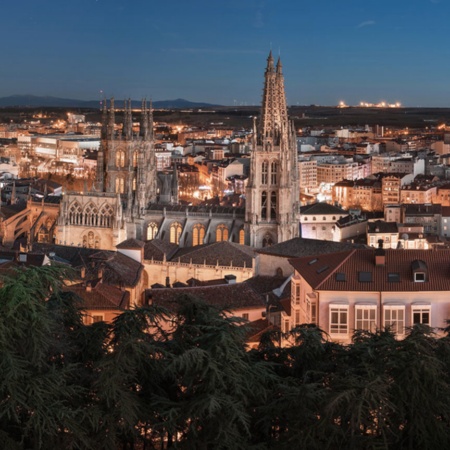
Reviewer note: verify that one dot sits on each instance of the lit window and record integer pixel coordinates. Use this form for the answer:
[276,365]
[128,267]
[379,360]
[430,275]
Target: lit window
[221,233]
[296,294]
[152,231]
[245,316]
[175,233]
[198,235]
[97,318]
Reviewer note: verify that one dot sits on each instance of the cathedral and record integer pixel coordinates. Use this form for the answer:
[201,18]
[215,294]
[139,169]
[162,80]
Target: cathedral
[131,200]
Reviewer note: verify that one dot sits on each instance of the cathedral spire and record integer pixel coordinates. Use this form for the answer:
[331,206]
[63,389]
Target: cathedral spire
[273,111]
[127,130]
[112,119]
[104,131]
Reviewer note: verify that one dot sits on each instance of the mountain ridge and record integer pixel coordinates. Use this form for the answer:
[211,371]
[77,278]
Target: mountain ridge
[33,101]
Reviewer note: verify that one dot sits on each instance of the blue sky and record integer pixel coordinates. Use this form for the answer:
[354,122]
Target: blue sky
[215,50]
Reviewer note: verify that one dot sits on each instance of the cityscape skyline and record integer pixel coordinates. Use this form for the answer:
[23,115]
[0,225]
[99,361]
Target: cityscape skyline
[213,51]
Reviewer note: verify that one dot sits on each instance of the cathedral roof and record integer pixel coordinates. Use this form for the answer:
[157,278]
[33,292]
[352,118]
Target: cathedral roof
[321,208]
[157,248]
[222,253]
[131,244]
[299,247]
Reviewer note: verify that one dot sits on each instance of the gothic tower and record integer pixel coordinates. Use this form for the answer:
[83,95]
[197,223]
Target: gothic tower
[126,160]
[272,194]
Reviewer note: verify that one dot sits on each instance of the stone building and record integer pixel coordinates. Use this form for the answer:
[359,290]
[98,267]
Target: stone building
[131,201]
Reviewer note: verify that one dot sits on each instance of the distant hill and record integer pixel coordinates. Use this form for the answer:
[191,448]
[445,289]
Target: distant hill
[36,101]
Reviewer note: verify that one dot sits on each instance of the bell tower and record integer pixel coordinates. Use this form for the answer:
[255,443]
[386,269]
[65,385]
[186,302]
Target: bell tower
[272,194]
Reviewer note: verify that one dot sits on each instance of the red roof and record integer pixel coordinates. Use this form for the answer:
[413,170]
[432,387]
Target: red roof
[341,271]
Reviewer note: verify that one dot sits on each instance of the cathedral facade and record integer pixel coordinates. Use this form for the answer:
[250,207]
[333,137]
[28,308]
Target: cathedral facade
[130,200]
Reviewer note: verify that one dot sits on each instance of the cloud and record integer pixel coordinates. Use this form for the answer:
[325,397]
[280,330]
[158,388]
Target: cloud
[366,23]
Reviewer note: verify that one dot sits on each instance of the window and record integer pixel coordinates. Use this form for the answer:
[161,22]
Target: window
[296,294]
[264,205]
[338,319]
[365,317]
[175,233]
[245,316]
[198,235]
[287,326]
[365,277]
[152,231]
[394,318]
[274,173]
[97,318]
[297,318]
[419,277]
[421,314]
[120,159]
[393,277]
[273,205]
[241,236]
[221,233]
[264,172]
[120,185]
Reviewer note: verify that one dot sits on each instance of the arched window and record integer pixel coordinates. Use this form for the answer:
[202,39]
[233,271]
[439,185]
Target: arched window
[134,183]
[273,205]
[263,205]
[198,235]
[90,215]
[152,231]
[75,214]
[221,233]
[135,159]
[264,172]
[242,236]
[175,233]
[274,173]
[120,158]
[106,215]
[267,240]
[120,185]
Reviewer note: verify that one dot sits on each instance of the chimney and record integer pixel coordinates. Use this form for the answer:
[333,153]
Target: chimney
[380,254]
[230,279]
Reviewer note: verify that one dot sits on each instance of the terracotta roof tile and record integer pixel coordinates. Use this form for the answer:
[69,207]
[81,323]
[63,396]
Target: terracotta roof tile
[101,296]
[321,272]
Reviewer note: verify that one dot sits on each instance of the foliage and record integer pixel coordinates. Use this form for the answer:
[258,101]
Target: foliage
[184,379]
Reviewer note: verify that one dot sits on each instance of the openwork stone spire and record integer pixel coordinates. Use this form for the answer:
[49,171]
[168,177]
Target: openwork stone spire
[274,111]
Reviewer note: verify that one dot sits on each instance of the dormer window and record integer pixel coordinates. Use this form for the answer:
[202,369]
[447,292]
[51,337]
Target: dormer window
[419,277]
[420,271]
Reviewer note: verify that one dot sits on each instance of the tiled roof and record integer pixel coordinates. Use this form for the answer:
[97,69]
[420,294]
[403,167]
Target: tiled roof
[321,208]
[298,247]
[320,271]
[222,253]
[230,296]
[156,248]
[131,243]
[380,226]
[118,269]
[101,296]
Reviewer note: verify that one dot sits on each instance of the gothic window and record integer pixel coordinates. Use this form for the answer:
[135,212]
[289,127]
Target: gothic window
[221,233]
[120,185]
[43,234]
[135,159]
[198,235]
[175,233]
[274,173]
[152,231]
[241,236]
[90,215]
[273,205]
[134,183]
[264,205]
[106,215]
[264,172]
[120,158]
[267,240]
[75,214]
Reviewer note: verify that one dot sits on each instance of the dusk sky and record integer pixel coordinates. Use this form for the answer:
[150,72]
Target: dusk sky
[215,50]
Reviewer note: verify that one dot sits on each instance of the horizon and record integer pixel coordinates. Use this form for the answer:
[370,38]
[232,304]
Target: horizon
[216,52]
